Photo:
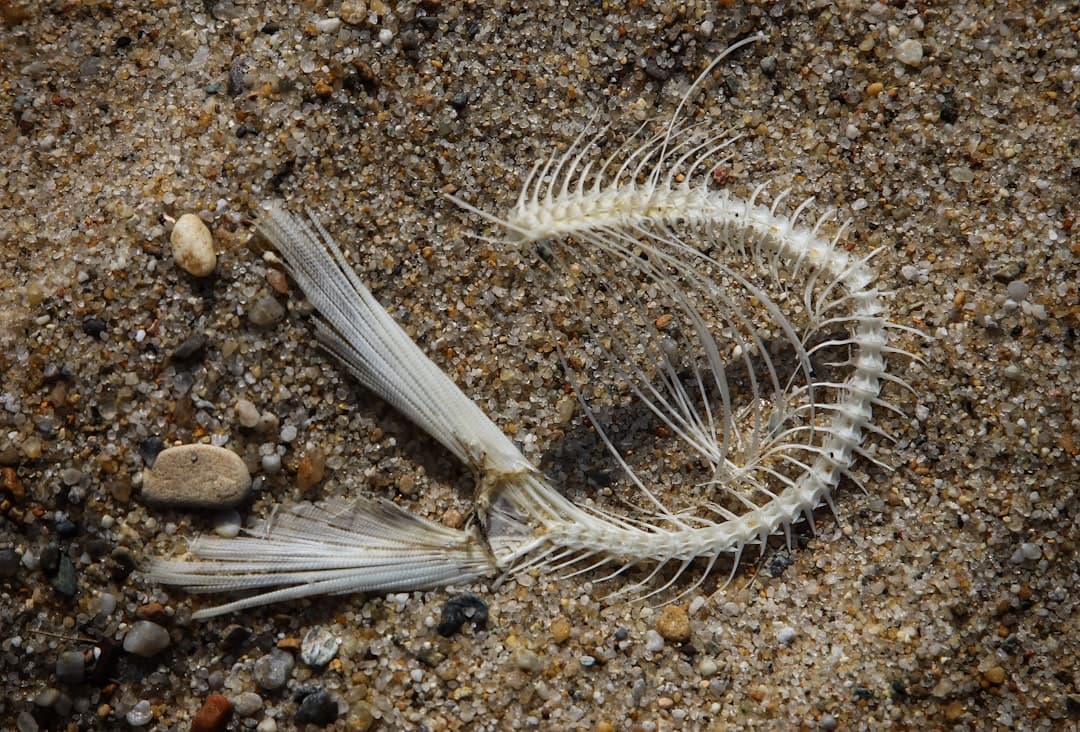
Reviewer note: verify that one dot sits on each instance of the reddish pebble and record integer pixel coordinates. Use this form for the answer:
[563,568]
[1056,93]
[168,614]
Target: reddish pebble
[213,716]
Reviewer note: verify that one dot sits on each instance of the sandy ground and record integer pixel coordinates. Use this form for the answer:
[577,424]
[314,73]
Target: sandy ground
[944,598]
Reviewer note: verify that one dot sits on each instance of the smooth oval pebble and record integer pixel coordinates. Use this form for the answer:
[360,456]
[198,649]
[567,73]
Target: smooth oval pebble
[319,647]
[146,639]
[193,246]
[196,476]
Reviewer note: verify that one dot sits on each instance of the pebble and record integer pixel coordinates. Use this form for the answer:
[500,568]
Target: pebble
[265,311]
[25,722]
[354,12]
[65,582]
[311,470]
[213,715]
[1018,290]
[247,704]
[707,666]
[961,174]
[193,246]
[560,630]
[9,562]
[194,345]
[271,464]
[150,448]
[94,327]
[71,667]
[272,671]
[227,523]
[461,610]
[317,708]
[288,433]
[328,25]
[247,414]
[909,52]
[525,660]
[140,714]
[47,697]
[319,647]
[674,624]
[146,639]
[786,635]
[653,641]
[196,476]
[267,725]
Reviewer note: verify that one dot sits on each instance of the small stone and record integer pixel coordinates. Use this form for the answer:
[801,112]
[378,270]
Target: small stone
[525,660]
[46,698]
[461,610]
[560,630]
[196,476]
[277,280]
[354,12]
[654,642]
[311,471]
[768,66]
[94,327]
[707,666]
[10,561]
[150,448]
[272,671]
[71,667]
[319,647]
[247,414]
[995,676]
[152,611]
[194,345]
[961,174]
[227,523]
[265,311]
[954,710]
[328,25]
[193,246]
[318,708]
[65,582]
[141,714]
[11,484]
[909,52]
[271,464]
[1018,290]
[786,635]
[146,639]
[828,723]
[288,433]
[247,704]
[674,624]
[361,717]
[874,88]
[213,715]
[267,725]
[25,722]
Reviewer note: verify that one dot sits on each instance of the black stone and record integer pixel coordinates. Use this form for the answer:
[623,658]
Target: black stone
[191,348]
[950,110]
[65,581]
[50,559]
[94,327]
[150,448]
[461,610]
[459,101]
[66,528]
[318,707]
[9,562]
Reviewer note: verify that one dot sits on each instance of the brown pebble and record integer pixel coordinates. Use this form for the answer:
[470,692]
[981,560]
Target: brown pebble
[277,280]
[10,482]
[311,470]
[872,90]
[154,611]
[453,518]
[196,476]
[995,676]
[674,624]
[560,630]
[954,710]
[213,716]
[289,644]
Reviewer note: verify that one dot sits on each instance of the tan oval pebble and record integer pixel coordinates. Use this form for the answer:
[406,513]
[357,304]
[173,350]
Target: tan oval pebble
[193,246]
[196,476]
[674,624]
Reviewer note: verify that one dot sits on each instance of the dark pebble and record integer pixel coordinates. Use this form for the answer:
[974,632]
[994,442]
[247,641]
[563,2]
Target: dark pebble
[461,610]
[65,582]
[459,101]
[318,707]
[950,110]
[191,348]
[50,559]
[621,634]
[122,41]
[66,528]
[779,562]
[93,327]
[71,667]
[235,636]
[270,28]
[124,563]
[9,562]
[768,66]
[149,449]
[655,72]
[237,75]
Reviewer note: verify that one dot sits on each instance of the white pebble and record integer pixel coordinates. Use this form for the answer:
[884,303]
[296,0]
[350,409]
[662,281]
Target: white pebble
[288,433]
[193,246]
[786,635]
[247,414]
[140,714]
[653,641]
[909,52]
[271,464]
[328,25]
[227,524]
[1018,290]
[385,36]
[146,639]
[707,666]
